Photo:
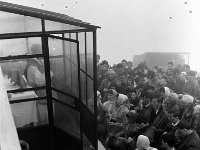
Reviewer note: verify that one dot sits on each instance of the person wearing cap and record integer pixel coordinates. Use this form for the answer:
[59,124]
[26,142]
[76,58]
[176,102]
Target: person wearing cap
[143,143]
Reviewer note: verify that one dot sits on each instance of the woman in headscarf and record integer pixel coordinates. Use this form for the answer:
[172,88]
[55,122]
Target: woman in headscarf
[143,143]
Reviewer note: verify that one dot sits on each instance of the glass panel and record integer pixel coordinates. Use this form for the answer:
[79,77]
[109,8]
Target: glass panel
[52,25]
[90,94]
[70,51]
[75,87]
[81,39]
[73,36]
[67,35]
[32,113]
[42,112]
[67,119]
[90,53]
[55,47]
[13,23]
[74,53]
[83,87]
[63,98]
[22,46]
[65,75]
[24,73]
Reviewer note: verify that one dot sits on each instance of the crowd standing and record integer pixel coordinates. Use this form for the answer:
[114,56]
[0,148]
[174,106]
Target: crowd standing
[148,108]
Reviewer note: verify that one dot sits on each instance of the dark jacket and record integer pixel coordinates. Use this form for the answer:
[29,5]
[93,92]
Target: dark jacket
[190,142]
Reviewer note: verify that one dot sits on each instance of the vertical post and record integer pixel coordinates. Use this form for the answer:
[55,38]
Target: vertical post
[95,83]
[64,59]
[45,50]
[86,83]
[79,86]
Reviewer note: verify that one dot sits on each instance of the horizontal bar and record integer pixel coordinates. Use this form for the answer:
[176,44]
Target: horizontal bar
[21,57]
[27,100]
[33,127]
[66,94]
[27,89]
[65,104]
[69,31]
[62,38]
[20,35]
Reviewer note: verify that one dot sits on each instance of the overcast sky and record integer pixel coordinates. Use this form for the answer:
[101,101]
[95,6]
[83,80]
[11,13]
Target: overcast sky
[131,27]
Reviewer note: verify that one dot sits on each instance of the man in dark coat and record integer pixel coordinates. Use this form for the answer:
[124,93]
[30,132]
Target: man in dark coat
[189,139]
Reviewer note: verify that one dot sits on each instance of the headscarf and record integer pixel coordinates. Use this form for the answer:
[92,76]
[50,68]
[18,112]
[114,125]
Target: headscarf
[143,142]
[188,99]
[122,99]
[196,109]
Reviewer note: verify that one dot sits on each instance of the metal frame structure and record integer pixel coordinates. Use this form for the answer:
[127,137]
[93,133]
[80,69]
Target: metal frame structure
[90,130]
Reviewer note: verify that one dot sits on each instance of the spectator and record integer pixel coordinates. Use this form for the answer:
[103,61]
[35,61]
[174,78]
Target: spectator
[143,143]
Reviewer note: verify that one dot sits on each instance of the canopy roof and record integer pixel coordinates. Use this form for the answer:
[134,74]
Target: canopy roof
[43,14]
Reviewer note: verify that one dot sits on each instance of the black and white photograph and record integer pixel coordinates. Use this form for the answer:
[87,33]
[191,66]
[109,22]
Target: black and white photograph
[100,75]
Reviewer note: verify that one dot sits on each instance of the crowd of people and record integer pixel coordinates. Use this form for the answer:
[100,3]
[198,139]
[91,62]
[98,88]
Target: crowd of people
[148,108]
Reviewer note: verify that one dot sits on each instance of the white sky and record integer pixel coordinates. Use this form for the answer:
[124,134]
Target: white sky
[130,27]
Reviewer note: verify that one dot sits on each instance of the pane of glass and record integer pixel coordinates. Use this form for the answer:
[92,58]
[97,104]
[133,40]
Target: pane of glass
[73,36]
[75,86]
[67,119]
[55,47]
[63,98]
[67,35]
[22,46]
[74,53]
[81,39]
[32,113]
[90,53]
[42,112]
[83,87]
[13,23]
[52,25]
[70,51]
[90,94]
[24,73]
[65,75]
